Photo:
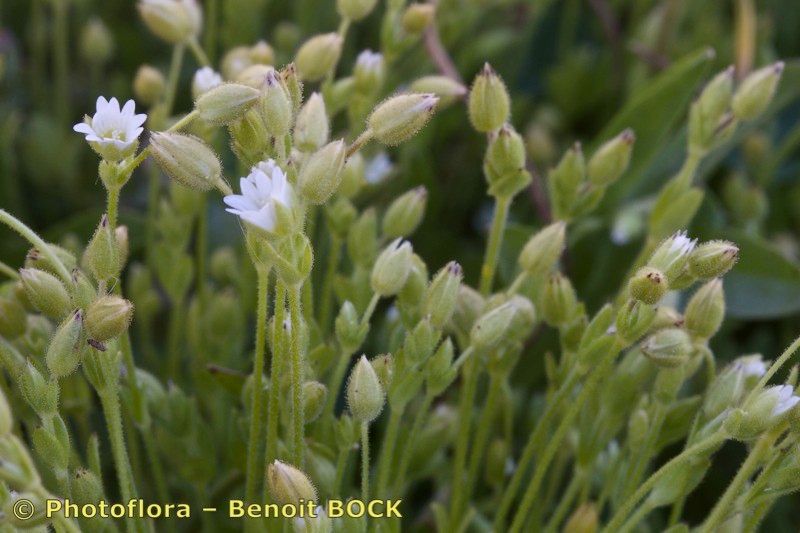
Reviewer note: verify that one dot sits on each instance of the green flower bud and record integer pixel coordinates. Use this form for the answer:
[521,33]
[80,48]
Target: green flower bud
[362,240]
[321,174]
[148,85]
[392,268]
[289,485]
[13,318]
[262,53]
[504,164]
[235,61]
[543,250]
[583,520]
[174,22]
[756,92]
[108,317]
[6,419]
[672,255]
[669,347]
[293,85]
[249,137]
[705,311]
[439,369]
[318,55]
[491,328]
[54,451]
[558,301]
[37,391]
[365,396]
[769,408]
[731,385]
[369,72]
[709,110]
[276,105]
[713,259]
[413,290]
[441,297]
[446,88]
[523,320]
[102,255]
[17,468]
[340,215]
[64,352]
[489,103]
[417,17]
[46,293]
[638,425]
[355,10]
[384,369]
[97,43]
[565,181]
[399,118]
[405,213]
[312,129]
[225,103]
[611,159]
[420,342]
[86,487]
[252,76]
[598,326]
[36,259]
[469,306]
[101,366]
[186,159]
[668,383]
[648,285]
[349,331]
[352,176]
[314,395]
[634,319]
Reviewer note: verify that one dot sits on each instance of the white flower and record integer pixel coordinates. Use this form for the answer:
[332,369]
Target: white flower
[671,255]
[113,132]
[751,366]
[319,522]
[785,399]
[265,193]
[378,168]
[204,80]
[369,60]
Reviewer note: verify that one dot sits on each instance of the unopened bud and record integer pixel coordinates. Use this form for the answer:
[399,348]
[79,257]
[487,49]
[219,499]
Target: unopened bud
[669,347]
[384,369]
[705,311]
[186,159]
[672,255]
[648,285]
[148,85]
[420,342]
[565,181]
[439,368]
[86,487]
[13,318]
[64,352]
[442,295]
[276,105]
[611,159]
[469,306]
[102,256]
[175,21]
[770,407]
[583,520]
[40,394]
[504,164]
[756,92]
[226,103]
[543,250]
[713,259]
[708,111]
[318,55]
[46,293]
[490,329]
[392,268]
[321,174]
[634,319]
[417,17]
[489,103]
[399,118]
[312,129]
[108,317]
[369,71]
[293,85]
[445,87]
[289,485]
[365,396]
[97,43]
[405,213]
[558,301]
[314,395]
[352,176]
[362,240]
[262,53]
[355,10]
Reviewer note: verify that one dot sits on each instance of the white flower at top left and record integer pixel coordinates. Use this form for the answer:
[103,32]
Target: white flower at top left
[113,132]
[266,198]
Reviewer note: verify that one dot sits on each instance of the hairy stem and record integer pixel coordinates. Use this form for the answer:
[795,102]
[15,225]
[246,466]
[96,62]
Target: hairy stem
[499,220]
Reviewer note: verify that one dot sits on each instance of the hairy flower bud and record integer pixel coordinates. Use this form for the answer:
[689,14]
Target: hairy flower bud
[312,128]
[469,306]
[504,163]
[46,293]
[64,352]
[362,240]
[417,17]
[102,254]
[769,408]
[41,395]
[365,396]
[611,159]
[446,88]
[186,159]
[543,250]
[108,317]
[321,174]
[558,301]
[439,368]
[565,181]
[405,213]
[730,386]
[13,318]
[672,255]
[369,72]
[148,85]
[86,487]
[705,311]
[648,285]
[392,268]
[97,43]
[583,520]
[442,294]
[276,105]
[289,485]
[489,103]
[491,328]
[400,117]
[352,176]
[318,55]
[708,111]
[669,347]
[355,10]
[16,469]
[756,92]
[713,259]
[175,21]
[226,103]
[314,395]
[634,319]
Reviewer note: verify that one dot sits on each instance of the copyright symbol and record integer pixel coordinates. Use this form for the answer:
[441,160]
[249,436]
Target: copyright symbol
[23,509]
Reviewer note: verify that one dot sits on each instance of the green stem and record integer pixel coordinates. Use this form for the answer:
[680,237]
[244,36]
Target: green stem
[625,509]
[153,192]
[275,376]
[28,234]
[172,77]
[199,54]
[636,517]
[174,355]
[499,219]
[335,383]
[360,141]
[8,271]
[364,461]
[341,467]
[409,447]
[153,457]
[298,416]
[326,299]
[565,504]
[254,467]
[472,372]
[211,27]
[201,251]
[646,452]
[184,121]
[387,451]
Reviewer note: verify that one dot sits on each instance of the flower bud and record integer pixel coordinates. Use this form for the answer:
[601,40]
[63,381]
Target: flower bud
[611,159]
[108,317]
[289,485]
[384,369]
[413,289]
[405,213]
[648,285]
[565,181]
[638,425]
[36,259]
[186,159]
[262,53]
[175,21]
[318,55]
[293,85]
[249,137]
[769,408]
[392,268]
[276,105]
[369,72]
[417,17]
[439,369]
[583,520]
[37,391]
[314,395]
[312,129]
[355,10]
[668,383]
[634,319]
[6,419]
[86,487]
[102,256]
[672,255]
[705,311]
[446,88]
[669,347]
[497,460]
[97,43]
[420,342]
[365,396]
[400,117]
[756,92]
[17,468]
[226,103]
[709,110]
[13,318]
[469,306]
[489,103]
[252,76]
[558,301]
[321,174]
[731,385]
[442,294]
[491,328]
[713,259]
[46,293]
[543,250]
[352,176]
[523,320]
[148,85]
[504,163]
[362,240]
[64,352]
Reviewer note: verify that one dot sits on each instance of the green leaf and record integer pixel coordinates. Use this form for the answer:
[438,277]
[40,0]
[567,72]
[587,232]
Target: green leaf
[652,113]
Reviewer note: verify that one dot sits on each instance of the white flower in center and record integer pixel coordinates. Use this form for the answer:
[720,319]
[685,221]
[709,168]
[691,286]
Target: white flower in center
[263,192]
[113,132]
[204,80]
[786,399]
